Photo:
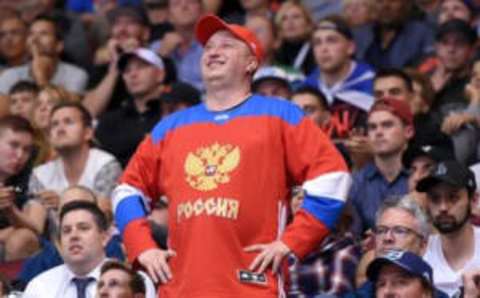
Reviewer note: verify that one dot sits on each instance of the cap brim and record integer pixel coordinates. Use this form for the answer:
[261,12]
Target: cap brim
[426,183]
[374,268]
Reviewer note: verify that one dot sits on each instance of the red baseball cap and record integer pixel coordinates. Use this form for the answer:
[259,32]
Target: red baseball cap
[210,24]
[399,108]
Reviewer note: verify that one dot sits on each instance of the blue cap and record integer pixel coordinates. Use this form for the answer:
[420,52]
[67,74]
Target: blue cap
[408,261]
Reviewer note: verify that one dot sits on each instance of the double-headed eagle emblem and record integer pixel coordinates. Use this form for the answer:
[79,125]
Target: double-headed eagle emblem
[210,166]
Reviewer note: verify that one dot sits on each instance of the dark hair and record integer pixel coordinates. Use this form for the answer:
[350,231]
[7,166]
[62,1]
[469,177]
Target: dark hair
[314,92]
[85,114]
[92,208]
[24,86]
[394,72]
[137,283]
[17,124]
[54,20]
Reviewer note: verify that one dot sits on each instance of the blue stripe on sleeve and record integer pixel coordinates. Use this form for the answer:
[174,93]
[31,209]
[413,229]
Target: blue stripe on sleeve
[129,209]
[326,210]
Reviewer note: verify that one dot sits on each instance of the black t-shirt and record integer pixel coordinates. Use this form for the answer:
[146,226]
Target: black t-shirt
[120,131]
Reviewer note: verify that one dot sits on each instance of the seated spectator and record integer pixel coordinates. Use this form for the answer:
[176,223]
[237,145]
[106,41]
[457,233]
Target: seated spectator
[449,68]
[45,42]
[330,268]
[13,41]
[294,26]
[400,224]
[346,83]
[450,190]
[119,280]
[390,127]
[77,163]
[271,81]
[82,238]
[421,98]
[266,33]
[402,274]
[455,9]
[23,99]
[462,124]
[121,130]
[248,9]
[359,12]
[394,39]
[314,104]
[47,98]
[49,255]
[423,154]
[128,30]
[76,44]
[396,83]
[180,44]
[18,220]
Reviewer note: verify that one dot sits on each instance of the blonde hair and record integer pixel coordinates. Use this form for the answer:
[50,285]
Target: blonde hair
[288,5]
[58,93]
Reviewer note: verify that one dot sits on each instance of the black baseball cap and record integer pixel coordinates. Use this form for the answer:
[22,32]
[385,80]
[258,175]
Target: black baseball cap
[459,27]
[451,172]
[181,92]
[335,23]
[437,146]
[406,260]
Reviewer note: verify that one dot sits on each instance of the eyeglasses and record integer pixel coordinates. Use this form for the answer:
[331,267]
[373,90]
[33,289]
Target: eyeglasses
[397,231]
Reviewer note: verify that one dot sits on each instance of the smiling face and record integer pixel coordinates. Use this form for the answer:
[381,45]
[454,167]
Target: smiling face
[226,60]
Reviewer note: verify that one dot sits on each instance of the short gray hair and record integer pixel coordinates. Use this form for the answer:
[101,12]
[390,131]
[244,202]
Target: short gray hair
[409,205]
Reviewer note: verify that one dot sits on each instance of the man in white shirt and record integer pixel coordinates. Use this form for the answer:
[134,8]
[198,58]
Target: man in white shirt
[456,249]
[71,133]
[82,239]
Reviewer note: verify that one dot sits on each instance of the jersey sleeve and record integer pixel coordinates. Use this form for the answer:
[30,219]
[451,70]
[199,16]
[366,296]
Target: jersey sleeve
[131,198]
[314,161]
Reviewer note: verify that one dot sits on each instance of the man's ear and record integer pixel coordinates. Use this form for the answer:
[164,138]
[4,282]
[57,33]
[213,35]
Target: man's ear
[409,131]
[252,66]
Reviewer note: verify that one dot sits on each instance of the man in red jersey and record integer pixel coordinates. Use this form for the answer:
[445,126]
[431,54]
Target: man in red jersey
[226,167]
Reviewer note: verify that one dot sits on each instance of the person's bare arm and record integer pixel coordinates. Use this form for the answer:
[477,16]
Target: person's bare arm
[97,99]
[31,217]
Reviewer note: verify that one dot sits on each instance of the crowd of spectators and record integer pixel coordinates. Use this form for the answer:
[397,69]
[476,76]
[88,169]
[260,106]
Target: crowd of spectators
[395,85]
